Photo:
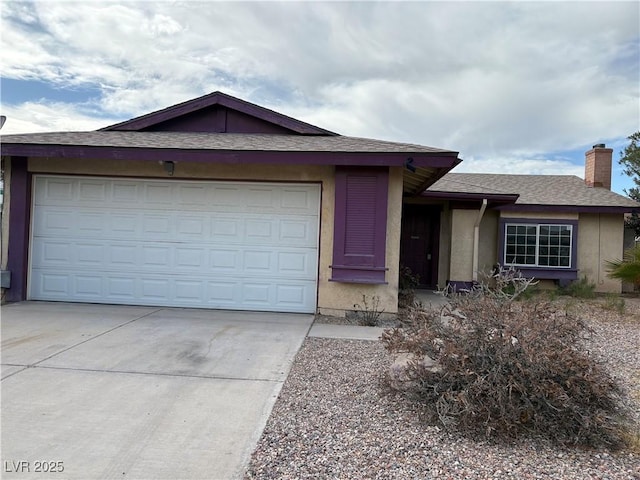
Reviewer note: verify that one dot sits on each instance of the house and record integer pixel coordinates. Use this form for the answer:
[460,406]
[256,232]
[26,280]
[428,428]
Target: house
[213,203]
[556,228]
[220,203]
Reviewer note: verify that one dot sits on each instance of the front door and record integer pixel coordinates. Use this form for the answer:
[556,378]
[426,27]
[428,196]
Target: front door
[419,242]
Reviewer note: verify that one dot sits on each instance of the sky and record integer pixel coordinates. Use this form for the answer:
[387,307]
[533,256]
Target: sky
[515,87]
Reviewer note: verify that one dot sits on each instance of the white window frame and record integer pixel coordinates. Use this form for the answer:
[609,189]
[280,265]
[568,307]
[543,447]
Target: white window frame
[537,245]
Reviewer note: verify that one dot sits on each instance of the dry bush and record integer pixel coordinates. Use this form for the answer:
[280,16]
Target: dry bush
[509,368]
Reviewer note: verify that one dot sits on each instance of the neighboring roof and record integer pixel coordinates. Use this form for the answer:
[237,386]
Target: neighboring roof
[217,98]
[536,192]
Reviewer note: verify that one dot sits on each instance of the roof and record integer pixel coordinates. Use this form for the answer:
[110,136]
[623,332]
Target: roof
[217,98]
[218,141]
[199,131]
[538,192]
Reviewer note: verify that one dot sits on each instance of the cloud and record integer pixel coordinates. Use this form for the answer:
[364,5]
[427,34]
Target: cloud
[49,117]
[514,165]
[511,80]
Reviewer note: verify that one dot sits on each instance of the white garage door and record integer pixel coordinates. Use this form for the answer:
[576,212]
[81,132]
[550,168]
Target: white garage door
[228,245]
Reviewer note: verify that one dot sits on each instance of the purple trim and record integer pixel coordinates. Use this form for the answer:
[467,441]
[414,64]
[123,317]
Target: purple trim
[351,274]
[550,273]
[219,119]
[355,266]
[569,208]
[218,98]
[438,160]
[19,218]
[457,285]
[538,272]
[491,197]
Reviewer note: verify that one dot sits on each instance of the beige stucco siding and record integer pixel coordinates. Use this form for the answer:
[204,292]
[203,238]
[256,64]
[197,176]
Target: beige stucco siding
[462,232]
[336,298]
[488,247]
[600,238]
[333,297]
[461,264]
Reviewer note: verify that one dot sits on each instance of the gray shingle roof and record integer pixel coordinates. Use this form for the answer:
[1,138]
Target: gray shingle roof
[557,190]
[221,141]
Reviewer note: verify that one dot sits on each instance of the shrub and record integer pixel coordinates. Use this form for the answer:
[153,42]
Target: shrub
[368,312]
[627,269]
[408,280]
[508,368]
[614,302]
[581,288]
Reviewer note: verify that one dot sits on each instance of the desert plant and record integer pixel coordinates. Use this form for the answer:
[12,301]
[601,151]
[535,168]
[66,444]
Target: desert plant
[408,280]
[627,269]
[582,288]
[507,368]
[407,284]
[614,302]
[369,311]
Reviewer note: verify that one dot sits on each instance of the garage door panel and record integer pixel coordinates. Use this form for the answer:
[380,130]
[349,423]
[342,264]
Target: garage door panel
[229,245]
[92,190]
[268,293]
[112,257]
[124,192]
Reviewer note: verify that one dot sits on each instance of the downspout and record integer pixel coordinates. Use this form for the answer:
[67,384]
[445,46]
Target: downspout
[476,239]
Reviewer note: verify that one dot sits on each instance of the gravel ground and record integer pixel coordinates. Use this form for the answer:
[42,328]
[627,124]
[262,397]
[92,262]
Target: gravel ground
[334,418]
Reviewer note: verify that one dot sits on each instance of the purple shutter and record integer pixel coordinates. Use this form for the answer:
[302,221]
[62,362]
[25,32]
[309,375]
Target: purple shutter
[360,226]
[19,218]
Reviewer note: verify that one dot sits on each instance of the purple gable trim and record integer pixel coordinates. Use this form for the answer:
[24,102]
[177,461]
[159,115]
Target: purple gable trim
[555,273]
[219,119]
[229,156]
[19,219]
[360,225]
[218,98]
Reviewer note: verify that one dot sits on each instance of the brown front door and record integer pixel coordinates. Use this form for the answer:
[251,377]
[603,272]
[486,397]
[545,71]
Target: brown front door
[419,242]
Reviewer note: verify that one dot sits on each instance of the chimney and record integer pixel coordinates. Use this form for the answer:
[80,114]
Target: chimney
[597,166]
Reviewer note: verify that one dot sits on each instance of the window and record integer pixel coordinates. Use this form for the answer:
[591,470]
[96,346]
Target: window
[538,245]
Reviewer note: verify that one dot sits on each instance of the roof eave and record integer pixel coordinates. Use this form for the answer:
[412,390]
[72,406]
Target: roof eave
[570,208]
[494,198]
[445,160]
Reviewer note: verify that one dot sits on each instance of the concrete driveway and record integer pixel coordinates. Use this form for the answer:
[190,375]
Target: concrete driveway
[138,392]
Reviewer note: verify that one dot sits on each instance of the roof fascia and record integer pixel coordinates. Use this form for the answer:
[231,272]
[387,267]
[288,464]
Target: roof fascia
[461,196]
[569,208]
[434,160]
[217,98]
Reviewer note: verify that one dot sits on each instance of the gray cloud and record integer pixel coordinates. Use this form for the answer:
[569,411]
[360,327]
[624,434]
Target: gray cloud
[492,80]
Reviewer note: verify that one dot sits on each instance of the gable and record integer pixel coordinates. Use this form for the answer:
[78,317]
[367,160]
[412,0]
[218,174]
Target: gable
[218,113]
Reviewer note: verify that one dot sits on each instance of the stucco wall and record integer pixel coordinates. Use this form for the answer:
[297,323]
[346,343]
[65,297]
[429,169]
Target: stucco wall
[333,298]
[336,298]
[488,248]
[461,240]
[600,238]
[461,263]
